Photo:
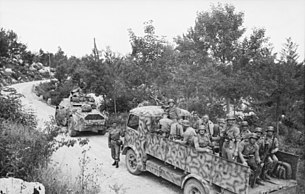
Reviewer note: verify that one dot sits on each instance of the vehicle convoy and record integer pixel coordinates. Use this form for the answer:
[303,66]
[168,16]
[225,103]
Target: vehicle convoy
[79,113]
[182,165]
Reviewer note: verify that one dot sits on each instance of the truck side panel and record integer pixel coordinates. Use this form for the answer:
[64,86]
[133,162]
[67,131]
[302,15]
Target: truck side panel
[229,175]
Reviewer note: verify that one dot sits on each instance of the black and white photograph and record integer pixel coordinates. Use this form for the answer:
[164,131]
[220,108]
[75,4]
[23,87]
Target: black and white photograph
[152,96]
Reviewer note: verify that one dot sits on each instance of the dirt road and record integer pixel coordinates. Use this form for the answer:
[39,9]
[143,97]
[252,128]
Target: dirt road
[98,157]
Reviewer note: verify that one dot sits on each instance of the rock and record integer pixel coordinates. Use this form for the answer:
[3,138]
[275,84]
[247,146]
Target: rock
[14,185]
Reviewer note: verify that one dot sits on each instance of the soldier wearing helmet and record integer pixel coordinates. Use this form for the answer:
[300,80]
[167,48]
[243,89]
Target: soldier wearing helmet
[188,135]
[244,130]
[173,111]
[259,132]
[202,141]
[231,138]
[248,152]
[176,131]
[115,143]
[216,138]
[271,145]
[208,124]
[165,125]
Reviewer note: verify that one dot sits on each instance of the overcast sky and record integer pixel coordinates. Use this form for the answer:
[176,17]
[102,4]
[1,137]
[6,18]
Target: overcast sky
[72,24]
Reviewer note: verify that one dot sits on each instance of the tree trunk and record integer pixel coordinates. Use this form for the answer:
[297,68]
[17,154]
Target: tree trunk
[228,105]
[114,101]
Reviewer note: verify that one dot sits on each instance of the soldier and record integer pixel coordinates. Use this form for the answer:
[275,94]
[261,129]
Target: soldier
[217,134]
[271,145]
[165,124]
[115,143]
[82,85]
[188,135]
[177,130]
[260,142]
[209,125]
[231,139]
[195,120]
[173,112]
[202,140]
[244,130]
[248,152]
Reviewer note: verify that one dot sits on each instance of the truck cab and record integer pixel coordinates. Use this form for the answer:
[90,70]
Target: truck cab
[182,165]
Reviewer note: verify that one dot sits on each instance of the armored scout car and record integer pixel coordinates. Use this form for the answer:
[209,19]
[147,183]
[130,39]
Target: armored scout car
[79,113]
[194,172]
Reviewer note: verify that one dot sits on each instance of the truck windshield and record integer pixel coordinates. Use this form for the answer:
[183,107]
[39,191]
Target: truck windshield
[133,121]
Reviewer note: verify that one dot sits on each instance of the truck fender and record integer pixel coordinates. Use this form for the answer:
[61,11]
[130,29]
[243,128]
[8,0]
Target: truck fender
[126,148]
[205,184]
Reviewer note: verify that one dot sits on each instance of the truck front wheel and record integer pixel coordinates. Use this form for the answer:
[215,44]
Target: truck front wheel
[193,186]
[131,162]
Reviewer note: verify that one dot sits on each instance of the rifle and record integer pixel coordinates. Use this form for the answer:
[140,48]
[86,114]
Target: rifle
[263,163]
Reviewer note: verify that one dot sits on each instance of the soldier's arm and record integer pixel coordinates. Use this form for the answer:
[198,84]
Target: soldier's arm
[257,158]
[198,148]
[276,146]
[241,156]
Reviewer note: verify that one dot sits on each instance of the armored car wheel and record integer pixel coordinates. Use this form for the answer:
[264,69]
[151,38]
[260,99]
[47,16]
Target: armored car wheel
[131,162]
[193,186]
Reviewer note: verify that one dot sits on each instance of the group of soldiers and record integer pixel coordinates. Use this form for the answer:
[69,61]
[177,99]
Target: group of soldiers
[227,138]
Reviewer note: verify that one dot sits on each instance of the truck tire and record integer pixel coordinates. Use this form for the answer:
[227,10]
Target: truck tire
[194,186]
[132,163]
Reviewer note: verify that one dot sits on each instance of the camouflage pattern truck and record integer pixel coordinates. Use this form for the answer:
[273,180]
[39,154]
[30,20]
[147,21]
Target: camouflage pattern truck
[79,113]
[182,165]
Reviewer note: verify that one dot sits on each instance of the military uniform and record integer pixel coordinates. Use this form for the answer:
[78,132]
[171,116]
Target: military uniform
[231,139]
[244,132]
[165,125]
[202,141]
[176,131]
[270,145]
[173,113]
[189,135]
[114,143]
[249,154]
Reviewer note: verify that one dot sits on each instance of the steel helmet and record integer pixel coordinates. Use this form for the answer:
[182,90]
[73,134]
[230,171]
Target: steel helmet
[252,135]
[270,128]
[258,130]
[171,100]
[244,123]
[221,120]
[231,117]
[201,127]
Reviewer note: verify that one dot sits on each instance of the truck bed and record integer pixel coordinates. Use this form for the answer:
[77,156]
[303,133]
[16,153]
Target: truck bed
[281,186]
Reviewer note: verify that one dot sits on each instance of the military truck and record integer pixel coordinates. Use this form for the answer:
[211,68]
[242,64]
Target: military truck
[79,113]
[182,165]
